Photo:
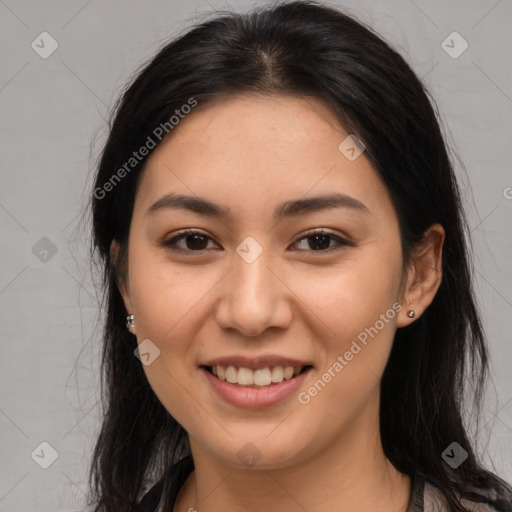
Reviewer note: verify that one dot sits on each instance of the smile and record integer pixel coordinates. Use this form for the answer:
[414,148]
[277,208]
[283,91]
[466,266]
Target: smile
[261,377]
[255,388]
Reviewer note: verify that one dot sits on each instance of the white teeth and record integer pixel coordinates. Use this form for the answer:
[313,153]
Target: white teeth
[288,372]
[231,374]
[245,377]
[260,377]
[277,374]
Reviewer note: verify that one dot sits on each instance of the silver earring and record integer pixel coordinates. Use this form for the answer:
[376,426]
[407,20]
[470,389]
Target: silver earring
[410,313]
[130,321]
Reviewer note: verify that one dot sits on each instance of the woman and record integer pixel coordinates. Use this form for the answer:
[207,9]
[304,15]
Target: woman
[290,318]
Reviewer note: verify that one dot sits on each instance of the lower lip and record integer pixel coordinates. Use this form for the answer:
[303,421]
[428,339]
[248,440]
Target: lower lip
[254,398]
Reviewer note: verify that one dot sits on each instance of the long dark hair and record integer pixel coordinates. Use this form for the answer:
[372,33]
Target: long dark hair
[305,49]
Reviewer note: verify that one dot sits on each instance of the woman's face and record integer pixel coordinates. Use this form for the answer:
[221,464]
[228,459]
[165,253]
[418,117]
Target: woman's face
[257,289]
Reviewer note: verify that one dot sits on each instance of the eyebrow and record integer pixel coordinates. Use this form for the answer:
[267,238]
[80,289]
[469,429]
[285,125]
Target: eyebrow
[287,209]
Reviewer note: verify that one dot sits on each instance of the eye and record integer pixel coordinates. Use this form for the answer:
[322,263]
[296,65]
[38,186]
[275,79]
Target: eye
[319,241]
[196,241]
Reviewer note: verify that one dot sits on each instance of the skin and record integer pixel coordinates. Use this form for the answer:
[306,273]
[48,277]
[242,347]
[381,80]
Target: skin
[250,153]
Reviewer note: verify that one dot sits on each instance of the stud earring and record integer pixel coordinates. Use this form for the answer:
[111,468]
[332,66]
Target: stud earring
[410,313]
[130,322]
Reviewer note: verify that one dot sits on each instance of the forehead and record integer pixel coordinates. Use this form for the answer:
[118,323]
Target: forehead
[259,123]
[265,148]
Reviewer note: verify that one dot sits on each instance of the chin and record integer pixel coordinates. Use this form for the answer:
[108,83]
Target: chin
[260,453]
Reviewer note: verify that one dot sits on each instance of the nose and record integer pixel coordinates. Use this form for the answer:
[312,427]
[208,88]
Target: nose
[254,297]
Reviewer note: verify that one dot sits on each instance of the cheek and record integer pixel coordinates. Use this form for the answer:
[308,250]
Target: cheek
[352,296]
[163,302]
[358,303]
[363,320]
[166,303]
[163,295]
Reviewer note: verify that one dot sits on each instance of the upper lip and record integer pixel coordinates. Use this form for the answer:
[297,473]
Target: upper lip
[256,362]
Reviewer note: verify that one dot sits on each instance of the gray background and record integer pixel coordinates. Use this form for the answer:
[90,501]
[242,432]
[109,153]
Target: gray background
[50,112]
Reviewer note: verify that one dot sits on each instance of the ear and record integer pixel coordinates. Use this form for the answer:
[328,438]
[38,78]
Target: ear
[424,275]
[122,280]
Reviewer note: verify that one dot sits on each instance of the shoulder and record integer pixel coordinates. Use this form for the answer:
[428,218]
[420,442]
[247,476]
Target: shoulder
[434,501]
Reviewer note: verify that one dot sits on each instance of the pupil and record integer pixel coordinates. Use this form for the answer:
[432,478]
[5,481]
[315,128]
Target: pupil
[316,241]
[196,241]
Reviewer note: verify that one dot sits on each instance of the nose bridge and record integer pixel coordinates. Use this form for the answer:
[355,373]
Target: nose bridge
[253,298]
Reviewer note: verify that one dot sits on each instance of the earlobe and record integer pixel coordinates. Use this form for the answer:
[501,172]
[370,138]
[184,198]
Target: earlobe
[424,276]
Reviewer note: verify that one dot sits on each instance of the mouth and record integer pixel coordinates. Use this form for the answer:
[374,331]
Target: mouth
[264,377]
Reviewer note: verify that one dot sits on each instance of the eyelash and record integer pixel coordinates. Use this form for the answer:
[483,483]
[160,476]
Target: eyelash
[171,243]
